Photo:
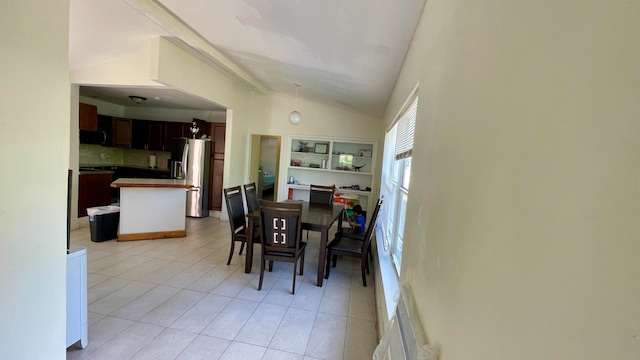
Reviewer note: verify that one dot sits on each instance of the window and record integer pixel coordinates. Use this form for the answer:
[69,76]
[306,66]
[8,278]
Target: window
[396,172]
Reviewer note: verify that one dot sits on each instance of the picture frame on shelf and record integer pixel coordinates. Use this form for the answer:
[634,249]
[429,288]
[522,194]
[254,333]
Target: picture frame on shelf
[364,153]
[321,148]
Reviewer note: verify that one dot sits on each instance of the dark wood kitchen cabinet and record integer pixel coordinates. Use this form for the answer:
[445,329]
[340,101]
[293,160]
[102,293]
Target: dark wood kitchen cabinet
[121,132]
[88,117]
[175,130]
[94,189]
[156,135]
[217,132]
[147,135]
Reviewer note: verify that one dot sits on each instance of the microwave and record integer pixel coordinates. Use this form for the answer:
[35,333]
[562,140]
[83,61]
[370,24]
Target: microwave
[100,137]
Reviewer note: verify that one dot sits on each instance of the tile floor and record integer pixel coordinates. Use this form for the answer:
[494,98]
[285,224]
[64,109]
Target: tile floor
[177,299]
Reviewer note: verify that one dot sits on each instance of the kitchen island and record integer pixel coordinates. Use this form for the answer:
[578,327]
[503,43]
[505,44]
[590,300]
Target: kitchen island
[152,208]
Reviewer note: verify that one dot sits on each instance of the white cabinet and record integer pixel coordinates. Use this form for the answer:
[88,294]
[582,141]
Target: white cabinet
[77,296]
[347,164]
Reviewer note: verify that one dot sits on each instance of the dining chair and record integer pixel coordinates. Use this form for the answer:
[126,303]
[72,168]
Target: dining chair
[353,246]
[251,197]
[237,220]
[281,225]
[351,233]
[320,194]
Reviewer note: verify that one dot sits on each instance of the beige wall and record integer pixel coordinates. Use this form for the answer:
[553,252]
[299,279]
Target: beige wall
[522,227]
[34,138]
[249,112]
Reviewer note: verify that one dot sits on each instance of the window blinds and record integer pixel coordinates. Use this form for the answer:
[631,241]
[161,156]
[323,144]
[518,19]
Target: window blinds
[406,128]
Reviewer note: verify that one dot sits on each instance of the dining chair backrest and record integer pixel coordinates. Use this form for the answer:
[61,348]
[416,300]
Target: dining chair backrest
[281,225]
[251,197]
[368,235]
[321,194]
[235,208]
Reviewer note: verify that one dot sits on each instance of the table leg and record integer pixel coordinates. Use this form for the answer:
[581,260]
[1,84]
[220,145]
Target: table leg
[322,253]
[248,262]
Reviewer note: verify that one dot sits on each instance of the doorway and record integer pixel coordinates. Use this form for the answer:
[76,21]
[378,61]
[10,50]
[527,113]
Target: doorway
[265,165]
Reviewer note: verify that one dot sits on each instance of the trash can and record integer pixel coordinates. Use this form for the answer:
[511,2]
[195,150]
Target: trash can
[103,222]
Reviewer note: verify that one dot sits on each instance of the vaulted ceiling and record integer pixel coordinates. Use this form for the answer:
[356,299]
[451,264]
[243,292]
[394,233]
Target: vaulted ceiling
[345,53]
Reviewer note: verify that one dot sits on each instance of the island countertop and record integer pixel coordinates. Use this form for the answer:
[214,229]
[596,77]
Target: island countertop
[151,183]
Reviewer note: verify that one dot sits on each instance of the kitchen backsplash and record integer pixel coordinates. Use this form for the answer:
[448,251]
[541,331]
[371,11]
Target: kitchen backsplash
[101,155]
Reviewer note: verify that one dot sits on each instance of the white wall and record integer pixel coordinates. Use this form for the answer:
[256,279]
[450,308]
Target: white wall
[268,155]
[248,111]
[34,137]
[522,228]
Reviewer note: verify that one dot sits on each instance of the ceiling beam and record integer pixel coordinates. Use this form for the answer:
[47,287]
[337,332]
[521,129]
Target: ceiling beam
[174,25]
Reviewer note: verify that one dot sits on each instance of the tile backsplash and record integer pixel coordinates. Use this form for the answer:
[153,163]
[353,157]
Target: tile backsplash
[102,155]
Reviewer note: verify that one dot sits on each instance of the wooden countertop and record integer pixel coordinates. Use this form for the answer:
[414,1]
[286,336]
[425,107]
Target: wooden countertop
[151,183]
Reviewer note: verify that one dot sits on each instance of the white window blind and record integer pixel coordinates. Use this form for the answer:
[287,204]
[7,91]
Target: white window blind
[396,173]
[406,127]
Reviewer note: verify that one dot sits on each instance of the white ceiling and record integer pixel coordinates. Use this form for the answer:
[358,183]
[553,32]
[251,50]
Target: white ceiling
[345,53]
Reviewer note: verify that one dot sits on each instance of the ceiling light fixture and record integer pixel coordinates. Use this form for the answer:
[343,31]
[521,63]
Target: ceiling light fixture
[137,99]
[294,117]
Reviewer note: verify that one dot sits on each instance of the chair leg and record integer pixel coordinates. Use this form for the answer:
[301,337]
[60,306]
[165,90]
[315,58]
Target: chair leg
[270,266]
[362,267]
[334,259]
[301,264]
[261,273]
[233,244]
[365,261]
[328,262]
[293,291]
[241,247]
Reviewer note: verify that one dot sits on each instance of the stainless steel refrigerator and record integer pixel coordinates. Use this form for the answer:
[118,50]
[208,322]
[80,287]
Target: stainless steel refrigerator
[190,160]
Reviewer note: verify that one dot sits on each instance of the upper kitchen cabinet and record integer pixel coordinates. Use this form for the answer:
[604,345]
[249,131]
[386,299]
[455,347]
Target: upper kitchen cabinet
[88,117]
[147,135]
[175,130]
[121,130]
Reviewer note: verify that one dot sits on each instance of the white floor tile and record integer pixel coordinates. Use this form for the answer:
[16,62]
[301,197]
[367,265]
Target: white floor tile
[166,346]
[238,350]
[272,354]
[204,348]
[335,300]
[201,314]
[177,299]
[145,303]
[173,308]
[361,338]
[127,343]
[115,300]
[327,337]
[294,331]
[231,319]
[262,325]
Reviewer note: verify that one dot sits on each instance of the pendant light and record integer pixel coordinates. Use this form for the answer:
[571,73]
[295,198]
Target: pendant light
[294,117]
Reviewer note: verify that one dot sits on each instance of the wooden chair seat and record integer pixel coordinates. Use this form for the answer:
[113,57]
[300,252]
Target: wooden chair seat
[344,245]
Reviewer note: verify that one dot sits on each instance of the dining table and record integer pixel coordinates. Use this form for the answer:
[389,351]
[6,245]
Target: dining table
[315,217]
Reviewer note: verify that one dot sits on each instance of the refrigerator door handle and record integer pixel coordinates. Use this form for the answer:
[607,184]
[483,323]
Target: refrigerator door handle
[193,189]
[185,156]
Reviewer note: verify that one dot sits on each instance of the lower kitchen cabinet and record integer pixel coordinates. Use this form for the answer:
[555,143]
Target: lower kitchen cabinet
[94,189]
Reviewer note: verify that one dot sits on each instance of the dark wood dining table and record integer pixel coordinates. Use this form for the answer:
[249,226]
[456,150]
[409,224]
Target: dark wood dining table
[315,217]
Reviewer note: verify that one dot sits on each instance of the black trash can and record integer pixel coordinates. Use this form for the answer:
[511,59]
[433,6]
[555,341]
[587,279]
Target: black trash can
[103,222]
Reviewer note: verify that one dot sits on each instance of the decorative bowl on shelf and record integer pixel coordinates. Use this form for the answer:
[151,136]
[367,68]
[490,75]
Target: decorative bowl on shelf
[296,162]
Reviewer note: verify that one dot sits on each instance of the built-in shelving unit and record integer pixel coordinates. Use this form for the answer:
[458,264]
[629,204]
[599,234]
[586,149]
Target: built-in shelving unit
[347,164]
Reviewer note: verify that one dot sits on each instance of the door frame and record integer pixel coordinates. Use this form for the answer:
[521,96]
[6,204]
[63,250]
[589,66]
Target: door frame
[254,158]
